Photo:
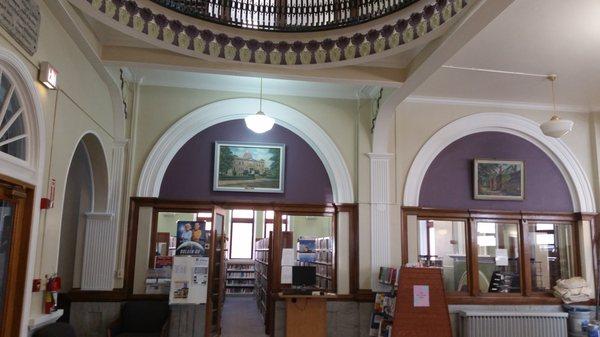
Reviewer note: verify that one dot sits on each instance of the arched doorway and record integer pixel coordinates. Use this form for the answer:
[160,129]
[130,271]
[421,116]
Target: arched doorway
[86,192]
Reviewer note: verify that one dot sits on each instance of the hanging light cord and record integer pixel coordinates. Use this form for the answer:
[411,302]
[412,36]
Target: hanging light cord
[261,95]
[552,79]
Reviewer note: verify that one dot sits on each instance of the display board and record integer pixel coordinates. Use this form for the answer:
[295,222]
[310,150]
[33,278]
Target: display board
[421,308]
[189,280]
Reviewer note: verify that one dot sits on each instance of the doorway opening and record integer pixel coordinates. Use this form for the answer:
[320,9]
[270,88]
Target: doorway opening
[86,191]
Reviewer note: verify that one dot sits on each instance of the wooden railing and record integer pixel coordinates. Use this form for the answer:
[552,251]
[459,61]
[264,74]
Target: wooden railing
[286,15]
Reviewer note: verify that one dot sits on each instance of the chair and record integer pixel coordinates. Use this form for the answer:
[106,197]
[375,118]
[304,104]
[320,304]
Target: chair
[58,329]
[142,319]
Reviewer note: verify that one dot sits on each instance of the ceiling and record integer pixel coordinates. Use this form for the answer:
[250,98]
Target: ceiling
[530,36]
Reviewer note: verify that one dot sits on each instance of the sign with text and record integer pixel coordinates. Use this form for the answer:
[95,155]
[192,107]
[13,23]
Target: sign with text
[421,296]
[21,19]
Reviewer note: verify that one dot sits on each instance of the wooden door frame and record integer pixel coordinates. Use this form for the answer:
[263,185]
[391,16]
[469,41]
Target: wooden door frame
[10,318]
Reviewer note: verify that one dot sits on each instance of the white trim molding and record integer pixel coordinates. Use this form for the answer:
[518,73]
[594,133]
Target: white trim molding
[496,104]
[231,109]
[575,177]
[380,214]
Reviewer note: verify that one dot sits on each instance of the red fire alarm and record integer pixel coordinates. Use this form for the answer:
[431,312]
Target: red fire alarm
[48,202]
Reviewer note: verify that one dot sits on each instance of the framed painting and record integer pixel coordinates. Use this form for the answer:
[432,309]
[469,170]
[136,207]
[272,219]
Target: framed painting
[499,179]
[244,167]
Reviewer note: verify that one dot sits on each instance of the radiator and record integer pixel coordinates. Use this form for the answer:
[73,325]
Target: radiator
[512,324]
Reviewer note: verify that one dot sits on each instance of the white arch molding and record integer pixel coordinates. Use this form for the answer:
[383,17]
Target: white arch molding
[574,175]
[231,109]
[29,170]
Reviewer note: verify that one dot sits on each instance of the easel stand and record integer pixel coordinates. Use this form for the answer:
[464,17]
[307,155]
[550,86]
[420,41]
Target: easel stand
[421,308]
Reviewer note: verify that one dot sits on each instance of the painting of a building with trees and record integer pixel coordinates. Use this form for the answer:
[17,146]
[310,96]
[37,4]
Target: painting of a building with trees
[249,167]
[499,180]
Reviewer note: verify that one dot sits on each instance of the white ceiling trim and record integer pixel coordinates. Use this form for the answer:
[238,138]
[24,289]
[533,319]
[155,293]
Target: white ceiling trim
[485,103]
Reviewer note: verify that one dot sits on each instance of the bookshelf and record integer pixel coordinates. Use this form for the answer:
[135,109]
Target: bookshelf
[318,252]
[240,278]
[263,270]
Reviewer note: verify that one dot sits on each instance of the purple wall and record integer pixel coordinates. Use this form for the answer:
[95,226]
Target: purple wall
[448,182]
[190,173]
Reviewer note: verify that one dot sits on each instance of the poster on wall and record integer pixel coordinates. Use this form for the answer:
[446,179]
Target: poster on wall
[243,167]
[191,238]
[499,179]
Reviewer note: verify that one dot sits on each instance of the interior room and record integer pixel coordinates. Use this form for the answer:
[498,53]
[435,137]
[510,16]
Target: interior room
[340,168]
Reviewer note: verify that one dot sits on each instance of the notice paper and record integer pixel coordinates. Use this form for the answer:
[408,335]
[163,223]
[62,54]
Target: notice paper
[421,296]
[502,257]
[286,274]
[287,257]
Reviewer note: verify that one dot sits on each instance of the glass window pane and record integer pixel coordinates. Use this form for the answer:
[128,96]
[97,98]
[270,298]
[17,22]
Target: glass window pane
[243,214]
[242,238]
[270,215]
[268,229]
[205,215]
[443,244]
[552,254]
[498,257]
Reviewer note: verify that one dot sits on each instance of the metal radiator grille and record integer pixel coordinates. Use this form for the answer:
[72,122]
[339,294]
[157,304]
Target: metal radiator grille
[513,324]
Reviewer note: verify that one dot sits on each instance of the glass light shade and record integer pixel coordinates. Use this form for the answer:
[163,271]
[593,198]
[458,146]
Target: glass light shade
[259,122]
[556,127]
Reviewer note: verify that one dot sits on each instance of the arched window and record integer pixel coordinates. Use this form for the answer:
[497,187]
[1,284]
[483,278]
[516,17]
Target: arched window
[13,130]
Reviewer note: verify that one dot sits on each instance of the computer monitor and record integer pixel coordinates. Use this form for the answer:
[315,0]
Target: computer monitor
[304,276]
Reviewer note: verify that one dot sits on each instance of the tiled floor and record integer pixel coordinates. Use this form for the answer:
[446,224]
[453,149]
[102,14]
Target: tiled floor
[241,318]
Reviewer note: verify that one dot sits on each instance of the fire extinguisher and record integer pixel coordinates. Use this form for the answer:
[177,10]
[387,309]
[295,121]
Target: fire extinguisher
[51,293]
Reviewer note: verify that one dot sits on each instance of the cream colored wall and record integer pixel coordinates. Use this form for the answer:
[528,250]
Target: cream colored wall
[161,107]
[82,104]
[346,121]
[417,122]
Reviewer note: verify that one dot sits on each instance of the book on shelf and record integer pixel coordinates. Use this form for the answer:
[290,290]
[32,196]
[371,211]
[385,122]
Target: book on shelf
[384,306]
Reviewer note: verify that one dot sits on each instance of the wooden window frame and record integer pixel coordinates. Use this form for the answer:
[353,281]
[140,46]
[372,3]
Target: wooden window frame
[242,220]
[284,223]
[522,219]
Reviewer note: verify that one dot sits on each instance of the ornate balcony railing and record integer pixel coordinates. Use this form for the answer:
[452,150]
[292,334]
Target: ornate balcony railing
[286,15]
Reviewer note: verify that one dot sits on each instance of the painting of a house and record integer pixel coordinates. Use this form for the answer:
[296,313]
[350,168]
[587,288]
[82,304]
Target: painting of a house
[249,167]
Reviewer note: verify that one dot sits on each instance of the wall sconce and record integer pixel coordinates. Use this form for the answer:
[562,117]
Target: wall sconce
[48,75]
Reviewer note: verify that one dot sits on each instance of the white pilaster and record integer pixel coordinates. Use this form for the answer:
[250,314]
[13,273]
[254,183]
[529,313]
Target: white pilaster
[380,214]
[98,268]
[115,198]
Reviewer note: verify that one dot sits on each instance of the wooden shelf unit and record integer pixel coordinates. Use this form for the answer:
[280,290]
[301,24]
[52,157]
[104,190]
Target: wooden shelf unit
[263,266]
[240,278]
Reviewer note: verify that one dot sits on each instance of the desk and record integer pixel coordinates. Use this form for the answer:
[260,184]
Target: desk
[305,315]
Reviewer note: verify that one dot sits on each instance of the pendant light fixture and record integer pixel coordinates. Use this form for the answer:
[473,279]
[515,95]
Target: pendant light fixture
[259,122]
[555,127]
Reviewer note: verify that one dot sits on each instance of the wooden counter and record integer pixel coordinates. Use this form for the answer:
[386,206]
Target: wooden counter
[306,315]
